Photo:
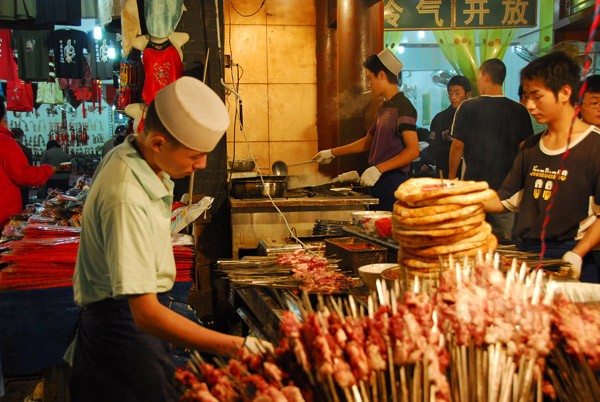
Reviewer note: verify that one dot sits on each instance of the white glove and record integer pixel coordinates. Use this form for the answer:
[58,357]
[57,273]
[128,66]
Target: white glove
[255,345]
[325,157]
[575,260]
[370,177]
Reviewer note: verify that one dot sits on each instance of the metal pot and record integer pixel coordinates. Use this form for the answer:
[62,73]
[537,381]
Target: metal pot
[253,187]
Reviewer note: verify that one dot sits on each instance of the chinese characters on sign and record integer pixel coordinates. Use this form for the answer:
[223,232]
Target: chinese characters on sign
[463,14]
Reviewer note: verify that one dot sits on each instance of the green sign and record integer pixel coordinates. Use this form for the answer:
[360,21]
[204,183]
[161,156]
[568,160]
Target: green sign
[461,14]
[495,13]
[417,14]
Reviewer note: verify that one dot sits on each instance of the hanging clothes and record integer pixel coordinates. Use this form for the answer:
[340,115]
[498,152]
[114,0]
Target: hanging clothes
[162,17]
[132,23]
[19,94]
[162,65]
[32,54]
[131,80]
[17,10]
[60,12]
[101,63]
[7,58]
[68,47]
[50,92]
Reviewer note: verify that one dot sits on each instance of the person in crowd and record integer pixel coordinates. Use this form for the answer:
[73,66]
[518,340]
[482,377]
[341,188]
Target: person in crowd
[18,135]
[424,165]
[459,89]
[118,138]
[590,107]
[125,262]
[15,171]
[392,139]
[487,131]
[539,177]
[55,156]
[590,113]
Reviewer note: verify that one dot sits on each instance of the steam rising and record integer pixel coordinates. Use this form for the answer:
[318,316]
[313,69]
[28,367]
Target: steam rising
[353,103]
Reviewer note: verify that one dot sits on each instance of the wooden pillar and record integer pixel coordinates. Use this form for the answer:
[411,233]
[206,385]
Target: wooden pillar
[341,79]
[326,49]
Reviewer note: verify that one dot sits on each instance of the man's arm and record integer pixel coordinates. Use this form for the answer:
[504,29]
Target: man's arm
[590,239]
[494,205]
[456,152]
[155,319]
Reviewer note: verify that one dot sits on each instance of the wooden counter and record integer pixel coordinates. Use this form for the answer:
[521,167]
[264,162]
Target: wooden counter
[257,218]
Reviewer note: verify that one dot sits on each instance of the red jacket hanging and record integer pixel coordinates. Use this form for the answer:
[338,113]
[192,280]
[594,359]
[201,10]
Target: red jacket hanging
[162,65]
[15,171]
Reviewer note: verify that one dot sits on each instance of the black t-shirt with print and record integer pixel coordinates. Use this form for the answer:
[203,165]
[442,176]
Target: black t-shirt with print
[535,173]
[68,47]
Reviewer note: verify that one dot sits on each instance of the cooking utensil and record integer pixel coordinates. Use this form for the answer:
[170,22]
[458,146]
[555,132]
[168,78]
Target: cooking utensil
[280,168]
[241,165]
[347,177]
[253,187]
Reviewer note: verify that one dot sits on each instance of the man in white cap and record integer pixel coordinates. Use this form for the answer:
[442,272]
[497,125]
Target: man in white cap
[392,140]
[125,262]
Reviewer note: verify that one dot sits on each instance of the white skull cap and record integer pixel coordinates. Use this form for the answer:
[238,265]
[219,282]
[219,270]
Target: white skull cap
[390,61]
[192,113]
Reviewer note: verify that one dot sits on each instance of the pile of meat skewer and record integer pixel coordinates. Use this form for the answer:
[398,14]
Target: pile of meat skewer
[297,270]
[481,336]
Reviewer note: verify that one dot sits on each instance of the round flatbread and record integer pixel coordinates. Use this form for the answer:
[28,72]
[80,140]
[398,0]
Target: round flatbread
[415,263]
[476,197]
[484,231]
[426,240]
[422,188]
[453,223]
[400,233]
[463,212]
[404,211]
[433,276]
[411,252]
[449,248]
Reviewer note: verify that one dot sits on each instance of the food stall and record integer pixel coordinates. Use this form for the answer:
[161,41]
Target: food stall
[480,326]
[257,218]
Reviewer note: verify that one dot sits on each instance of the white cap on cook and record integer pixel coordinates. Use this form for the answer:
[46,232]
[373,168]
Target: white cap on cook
[390,61]
[192,113]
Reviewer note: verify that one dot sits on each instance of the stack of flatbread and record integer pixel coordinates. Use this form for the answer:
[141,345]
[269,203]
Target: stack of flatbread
[434,219]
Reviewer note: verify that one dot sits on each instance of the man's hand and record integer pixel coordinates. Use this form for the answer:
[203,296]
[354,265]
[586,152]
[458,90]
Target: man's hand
[255,345]
[370,177]
[575,260]
[324,157]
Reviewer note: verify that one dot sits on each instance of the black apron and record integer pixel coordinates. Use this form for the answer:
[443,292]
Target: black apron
[115,361]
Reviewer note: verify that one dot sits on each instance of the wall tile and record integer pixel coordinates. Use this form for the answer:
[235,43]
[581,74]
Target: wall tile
[260,150]
[292,152]
[249,50]
[293,114]
[256,113]
[291,54]
[286,12]
[244,9]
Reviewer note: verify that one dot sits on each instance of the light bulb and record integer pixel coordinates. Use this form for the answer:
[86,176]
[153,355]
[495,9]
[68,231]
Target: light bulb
[97,33]
[112,53]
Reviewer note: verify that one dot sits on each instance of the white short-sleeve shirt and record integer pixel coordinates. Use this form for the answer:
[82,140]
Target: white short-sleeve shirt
[125,247]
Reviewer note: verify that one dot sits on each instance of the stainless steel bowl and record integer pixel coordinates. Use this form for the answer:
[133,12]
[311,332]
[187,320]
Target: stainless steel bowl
[241,165]
[253,187]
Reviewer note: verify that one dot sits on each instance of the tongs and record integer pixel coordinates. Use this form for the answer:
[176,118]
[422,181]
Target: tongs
[348,177]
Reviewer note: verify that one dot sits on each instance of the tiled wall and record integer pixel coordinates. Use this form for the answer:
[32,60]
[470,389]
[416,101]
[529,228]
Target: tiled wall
[275,49]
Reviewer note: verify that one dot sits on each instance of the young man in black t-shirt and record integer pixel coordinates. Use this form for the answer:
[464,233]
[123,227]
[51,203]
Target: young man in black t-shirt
[542,173]
[487,130]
